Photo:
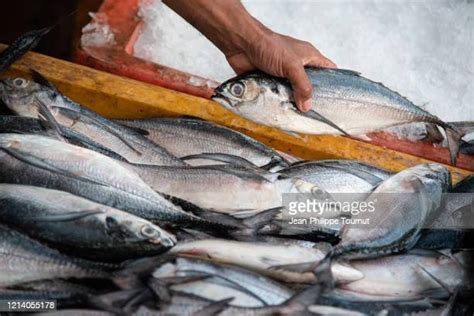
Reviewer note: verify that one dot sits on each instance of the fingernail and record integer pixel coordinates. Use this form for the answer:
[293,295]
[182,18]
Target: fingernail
[307,105]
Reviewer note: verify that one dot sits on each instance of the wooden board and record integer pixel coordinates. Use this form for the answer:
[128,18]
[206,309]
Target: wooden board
[118,97]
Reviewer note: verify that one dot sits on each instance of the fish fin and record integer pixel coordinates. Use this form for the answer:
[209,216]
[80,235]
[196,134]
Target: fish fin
[300,163]
[423,252]
[323,271]
[464,127]
[39,163]
[67,217]
[260,219]
[275,163]
[436,279]
[306,297]
[114,302]
[296,267]
[42,80]
[137,130]
[433,135]
[214,308]
[348,71]
[191,234]
[220,157]
[47,118]
[454,138]
[242,214]
[99,124]
[316,116]
[159,286]
[252,224]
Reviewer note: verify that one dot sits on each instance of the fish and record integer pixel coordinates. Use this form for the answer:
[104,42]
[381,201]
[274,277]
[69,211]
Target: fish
[21,46]
[184,137]
[25,98]
[30,125]
[46,162]
[228,189]
[344,102]
[248,288]
[26,260]
[300,304]
[262,256]
[404,204]
[338,176]
[23,125]
[409,277]
[79,225]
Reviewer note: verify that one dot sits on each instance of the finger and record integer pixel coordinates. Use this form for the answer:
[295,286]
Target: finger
[302,88]
[313,57]
[318,60]
[240,63]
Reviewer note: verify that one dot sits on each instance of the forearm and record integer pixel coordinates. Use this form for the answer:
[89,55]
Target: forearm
[226,23]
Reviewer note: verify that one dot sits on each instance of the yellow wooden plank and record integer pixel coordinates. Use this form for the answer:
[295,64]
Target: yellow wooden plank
[118,97]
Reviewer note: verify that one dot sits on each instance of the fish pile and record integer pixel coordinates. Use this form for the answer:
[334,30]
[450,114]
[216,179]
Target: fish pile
[179,216]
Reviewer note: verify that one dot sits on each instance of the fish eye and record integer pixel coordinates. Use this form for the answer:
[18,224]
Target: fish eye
[237,89]
[149,231]
[20,82]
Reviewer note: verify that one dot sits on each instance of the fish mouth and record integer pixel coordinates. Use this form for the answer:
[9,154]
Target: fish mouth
[166,241]
[221,99]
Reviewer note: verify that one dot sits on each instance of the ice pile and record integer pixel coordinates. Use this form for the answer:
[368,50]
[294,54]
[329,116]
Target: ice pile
[422,49]
[97,32]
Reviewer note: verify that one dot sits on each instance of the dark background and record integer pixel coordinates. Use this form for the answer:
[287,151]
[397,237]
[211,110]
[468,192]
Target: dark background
[19,16]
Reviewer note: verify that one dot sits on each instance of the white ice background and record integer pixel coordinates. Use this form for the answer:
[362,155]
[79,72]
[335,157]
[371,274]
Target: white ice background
[421,48]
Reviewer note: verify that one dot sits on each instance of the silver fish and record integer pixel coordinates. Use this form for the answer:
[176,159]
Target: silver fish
[46,162]
[225,189]
[410,276]
[262,257]
[73,222]
[185,137]
[404,203]
[247,288]
[299,304]
[343,102]
[25,260]
[338,176]
[26,97]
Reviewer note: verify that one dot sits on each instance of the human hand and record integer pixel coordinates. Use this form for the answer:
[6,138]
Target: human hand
[249,45]
[281,56]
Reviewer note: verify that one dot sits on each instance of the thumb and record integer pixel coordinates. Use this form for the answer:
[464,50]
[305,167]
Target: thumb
[302,87]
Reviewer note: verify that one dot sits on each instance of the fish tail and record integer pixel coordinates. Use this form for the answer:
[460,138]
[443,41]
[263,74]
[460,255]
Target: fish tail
[453,137]
[323,270]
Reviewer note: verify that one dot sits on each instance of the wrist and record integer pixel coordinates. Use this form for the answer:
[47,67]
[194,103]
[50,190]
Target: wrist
[243,35]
